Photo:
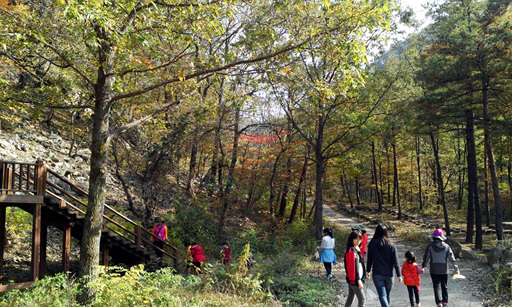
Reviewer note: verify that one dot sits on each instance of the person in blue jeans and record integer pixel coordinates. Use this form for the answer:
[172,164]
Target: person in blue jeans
[382,259]
[328,257]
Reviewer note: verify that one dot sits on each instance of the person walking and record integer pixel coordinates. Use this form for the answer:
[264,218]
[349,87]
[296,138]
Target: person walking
[411,272]
[437,255]
[190,259]
[159,236]
[328,257]
[226,254]
[197,257]
[354,267]
[364,243]
[382,258]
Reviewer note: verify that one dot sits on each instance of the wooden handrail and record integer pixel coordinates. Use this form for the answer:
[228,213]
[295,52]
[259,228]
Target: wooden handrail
[20,163]
[68,204]
[68,182]
[66,193]
[115,212]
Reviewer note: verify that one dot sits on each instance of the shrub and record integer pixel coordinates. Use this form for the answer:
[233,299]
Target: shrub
[55,291]
[304,290]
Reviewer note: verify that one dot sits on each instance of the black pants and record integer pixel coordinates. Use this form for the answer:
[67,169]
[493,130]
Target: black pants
[328,266]
[440,287]
[159,244]
[413,293]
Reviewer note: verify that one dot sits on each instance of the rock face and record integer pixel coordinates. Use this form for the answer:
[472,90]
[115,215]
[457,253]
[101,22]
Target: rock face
[29,144]
[499,256]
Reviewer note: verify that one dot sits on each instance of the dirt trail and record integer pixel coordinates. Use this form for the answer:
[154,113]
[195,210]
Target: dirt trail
[460,292]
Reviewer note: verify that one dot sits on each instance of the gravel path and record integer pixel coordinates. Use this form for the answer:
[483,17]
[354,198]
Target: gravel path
[462,292]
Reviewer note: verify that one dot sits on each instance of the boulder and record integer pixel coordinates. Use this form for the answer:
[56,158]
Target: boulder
[468,253]
[455,246]
[499,255]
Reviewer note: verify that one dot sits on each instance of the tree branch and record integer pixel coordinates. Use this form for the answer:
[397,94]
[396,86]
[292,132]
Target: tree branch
[142,120]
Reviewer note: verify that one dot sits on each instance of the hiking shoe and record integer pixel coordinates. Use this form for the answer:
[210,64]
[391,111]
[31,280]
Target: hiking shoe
[329,276]
[440,305]
[418,305]
[445,304]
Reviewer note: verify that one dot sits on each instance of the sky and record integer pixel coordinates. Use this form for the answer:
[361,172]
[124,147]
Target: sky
[417,6]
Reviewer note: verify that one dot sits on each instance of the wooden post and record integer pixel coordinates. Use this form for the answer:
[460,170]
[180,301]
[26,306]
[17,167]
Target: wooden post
[8,179]
[66,247]
[104,255]
[40,177]
[28,178]
[2,176]
[138,236]
[20,177]
[42,249]
[36,240]
[2,237]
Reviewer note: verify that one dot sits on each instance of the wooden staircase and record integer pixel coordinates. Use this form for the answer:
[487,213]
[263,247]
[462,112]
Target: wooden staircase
[54,201]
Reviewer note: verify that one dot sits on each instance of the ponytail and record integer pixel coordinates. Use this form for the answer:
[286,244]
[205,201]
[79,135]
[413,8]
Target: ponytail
[328,231]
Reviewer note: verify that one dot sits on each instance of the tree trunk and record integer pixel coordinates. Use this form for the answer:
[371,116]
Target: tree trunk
[381,183]
[299,187]
[319,182]
[460,156]
[348,190]
[358,196]
[284,196]
[319,179]
[396,184]
[440,183]
[343,191]
[90,245]
[509,169]
[193,160]
[492,167]
[227,195]
[418,156]
[486,190]
[472,175]
[388,172]
[271,184]
[376,180]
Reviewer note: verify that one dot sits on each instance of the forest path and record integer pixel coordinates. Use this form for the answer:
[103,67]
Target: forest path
[461,292]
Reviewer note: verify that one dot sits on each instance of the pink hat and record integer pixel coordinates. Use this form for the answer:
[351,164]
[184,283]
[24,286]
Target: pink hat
[438,233]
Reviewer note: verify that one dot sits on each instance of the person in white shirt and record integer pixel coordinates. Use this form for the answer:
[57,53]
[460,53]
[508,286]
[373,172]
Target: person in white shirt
[327,257]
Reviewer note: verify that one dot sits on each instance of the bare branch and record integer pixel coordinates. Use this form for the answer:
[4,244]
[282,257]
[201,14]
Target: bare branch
[143,120]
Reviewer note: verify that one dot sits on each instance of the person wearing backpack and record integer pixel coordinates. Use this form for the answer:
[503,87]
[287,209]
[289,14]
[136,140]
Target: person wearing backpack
[437,255]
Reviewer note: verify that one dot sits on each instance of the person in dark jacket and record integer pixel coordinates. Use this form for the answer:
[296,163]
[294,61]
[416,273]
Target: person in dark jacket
[354,267]
[382,258]
[437,255]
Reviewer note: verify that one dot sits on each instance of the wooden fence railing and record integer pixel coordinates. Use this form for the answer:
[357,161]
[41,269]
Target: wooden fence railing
[22,178]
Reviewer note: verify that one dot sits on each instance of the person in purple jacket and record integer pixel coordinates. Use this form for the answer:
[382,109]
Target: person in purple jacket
[382,259]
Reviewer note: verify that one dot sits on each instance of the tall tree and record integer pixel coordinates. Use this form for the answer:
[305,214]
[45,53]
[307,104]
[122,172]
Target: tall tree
[106,56]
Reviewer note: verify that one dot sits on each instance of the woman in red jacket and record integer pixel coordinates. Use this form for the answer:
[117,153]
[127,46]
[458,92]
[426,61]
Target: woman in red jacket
[354,267]
[197,257]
